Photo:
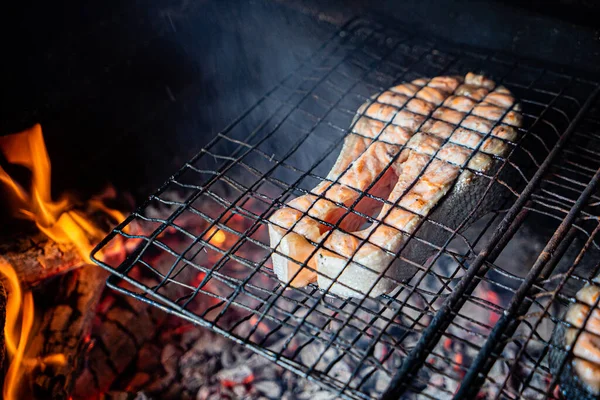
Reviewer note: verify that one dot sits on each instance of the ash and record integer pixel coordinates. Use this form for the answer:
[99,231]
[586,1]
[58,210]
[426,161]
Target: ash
[189,362]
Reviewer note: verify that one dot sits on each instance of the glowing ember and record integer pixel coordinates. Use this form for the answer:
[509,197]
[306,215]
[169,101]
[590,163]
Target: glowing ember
[198,279]
[217,236]
[447,344]
[260,325]
[458,360]
[60,222]
[493,298]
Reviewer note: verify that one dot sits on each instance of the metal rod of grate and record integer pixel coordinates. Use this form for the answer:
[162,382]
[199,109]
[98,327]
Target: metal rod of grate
[202,237]
[434,330]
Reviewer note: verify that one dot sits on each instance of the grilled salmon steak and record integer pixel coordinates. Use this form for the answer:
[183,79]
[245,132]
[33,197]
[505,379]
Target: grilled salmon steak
[413,148]
[580,375]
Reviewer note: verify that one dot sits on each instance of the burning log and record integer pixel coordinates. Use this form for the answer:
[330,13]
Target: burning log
[122,326]
[63,335]
[36,258]
[67,234]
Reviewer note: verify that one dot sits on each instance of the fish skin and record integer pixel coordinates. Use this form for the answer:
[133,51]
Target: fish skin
[571,385]
[422,125]
[580,376]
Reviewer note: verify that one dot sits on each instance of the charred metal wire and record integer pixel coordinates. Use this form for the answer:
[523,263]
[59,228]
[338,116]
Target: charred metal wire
[425,337]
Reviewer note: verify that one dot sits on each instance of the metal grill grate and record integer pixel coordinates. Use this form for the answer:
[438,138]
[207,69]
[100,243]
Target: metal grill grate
[475,319]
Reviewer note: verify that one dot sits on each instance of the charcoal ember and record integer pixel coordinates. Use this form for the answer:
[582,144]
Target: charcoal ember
[169,359]
[316,354]
[283,347]
[233,355]
[374,380]
[222,394]
[424,376]
[319,395]
[204,393]
[497,374]
[288,380]
[239,391]
[341,371]
[196,368]
[193,381]
[301,389]
[126,396]
[438,387]
[268,389]
[148,359]
[122,325]
[263,368]
[139,381]
[190,336]
[452,385]
[438,381]
[382,381]
[330,360]
[211,343]
[198,364]
[380,352]
[238,375]
[175,392]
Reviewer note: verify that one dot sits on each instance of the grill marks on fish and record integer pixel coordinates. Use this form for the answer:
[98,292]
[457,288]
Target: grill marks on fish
[425,148]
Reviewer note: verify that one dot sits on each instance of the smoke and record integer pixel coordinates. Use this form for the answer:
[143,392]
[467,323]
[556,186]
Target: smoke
[126,95]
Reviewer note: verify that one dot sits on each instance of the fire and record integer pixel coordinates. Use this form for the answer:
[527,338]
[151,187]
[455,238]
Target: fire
[56,219]
[458,360]
[217,236]
[59,221]
[14,336]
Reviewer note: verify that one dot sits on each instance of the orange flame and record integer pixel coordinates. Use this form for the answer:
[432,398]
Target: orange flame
[55,219]
[216,236]
[59,222]
[14,336]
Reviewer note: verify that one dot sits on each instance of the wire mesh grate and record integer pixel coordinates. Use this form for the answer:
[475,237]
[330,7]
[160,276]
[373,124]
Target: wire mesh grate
[201,248]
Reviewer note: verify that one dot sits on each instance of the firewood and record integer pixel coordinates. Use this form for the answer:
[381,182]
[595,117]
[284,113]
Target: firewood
[64,329]
[123,324]
[35,258]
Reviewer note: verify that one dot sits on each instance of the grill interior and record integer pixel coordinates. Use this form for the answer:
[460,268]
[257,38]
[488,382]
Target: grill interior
[476,318]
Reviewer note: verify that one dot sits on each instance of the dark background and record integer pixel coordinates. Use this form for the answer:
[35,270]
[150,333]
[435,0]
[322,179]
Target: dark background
[127,91]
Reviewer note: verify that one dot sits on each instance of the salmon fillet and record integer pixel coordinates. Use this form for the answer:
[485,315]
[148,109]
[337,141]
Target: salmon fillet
[410,145]
[587,347]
